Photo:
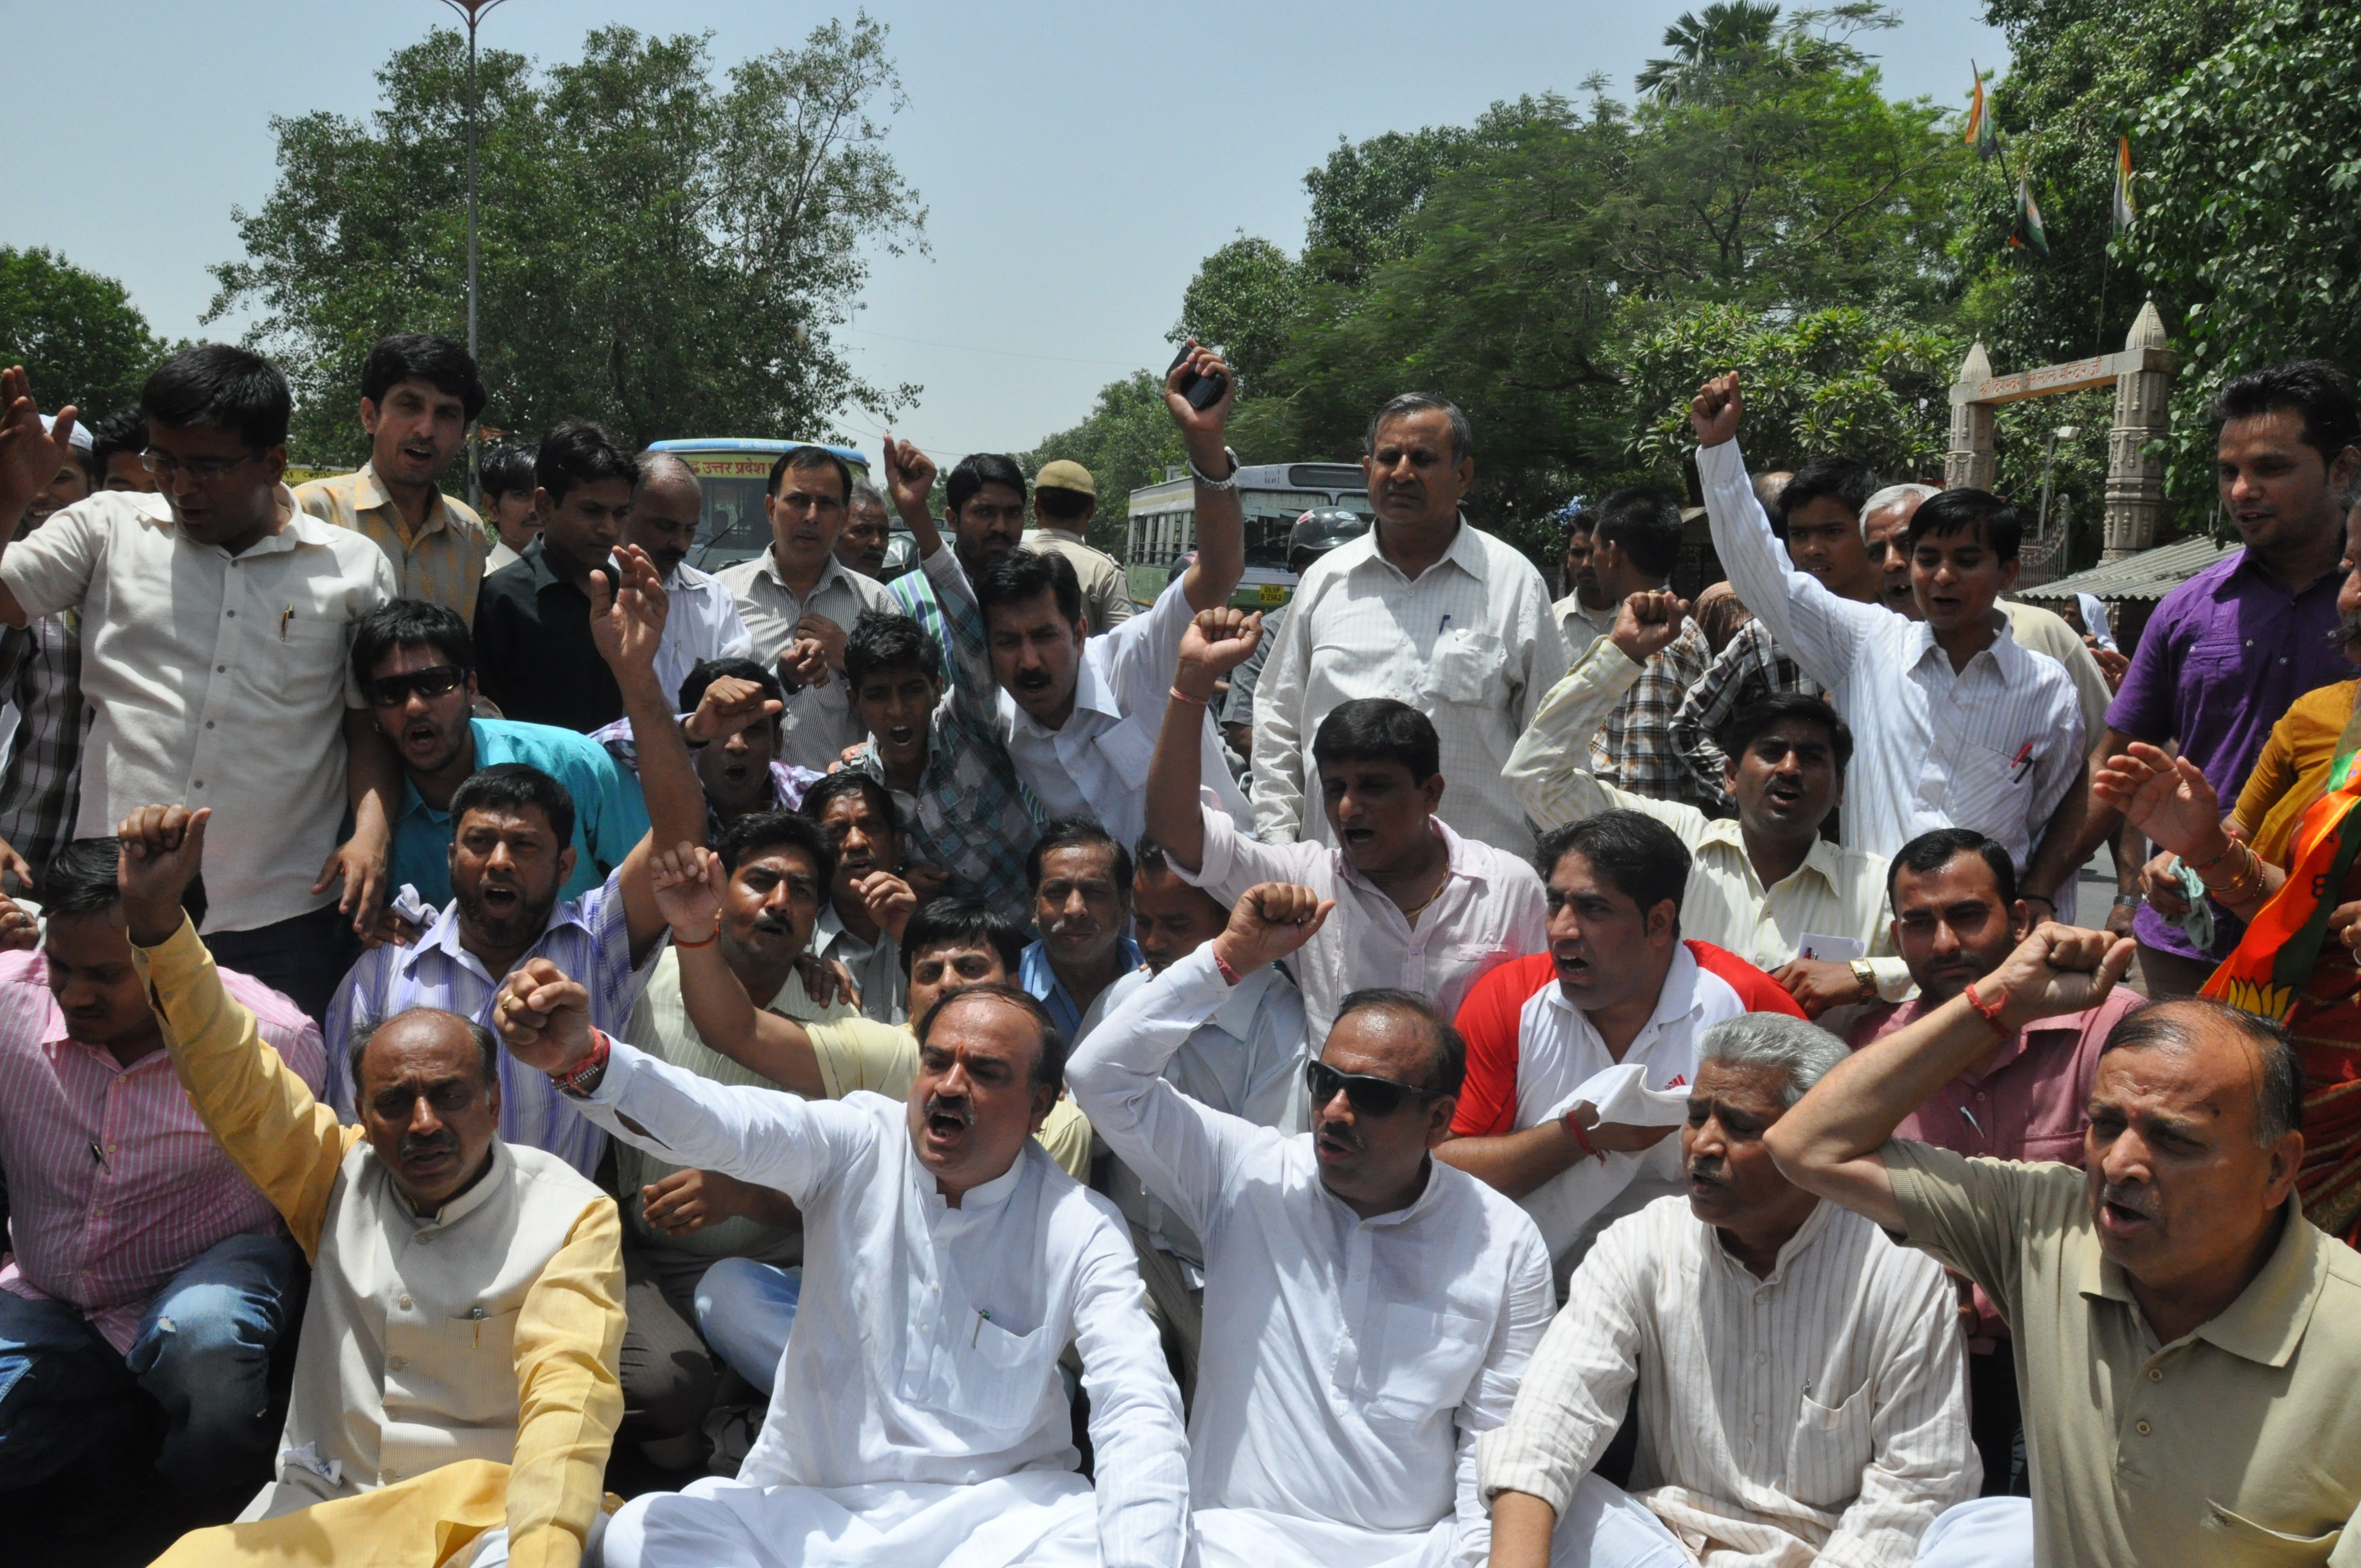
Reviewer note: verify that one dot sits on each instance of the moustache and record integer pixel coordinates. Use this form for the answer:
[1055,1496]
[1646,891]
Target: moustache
[771,925]
[1033,681]
[2122,1195]
[433,1143]
[1077,926]
[954,1106]
[1343,1133]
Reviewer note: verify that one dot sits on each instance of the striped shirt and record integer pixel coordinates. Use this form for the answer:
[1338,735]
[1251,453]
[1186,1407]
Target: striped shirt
[113,1183]
[1042,983]
[1836,892]
[589,938]
[40,671]
[442,563]
[1994,746]
[1818,1414]
[1472,644]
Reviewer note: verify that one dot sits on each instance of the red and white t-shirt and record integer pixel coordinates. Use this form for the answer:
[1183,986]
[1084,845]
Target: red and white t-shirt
[1530,1049]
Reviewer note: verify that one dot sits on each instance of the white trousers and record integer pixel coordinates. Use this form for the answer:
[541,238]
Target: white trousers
[491,1548]
[1034,1518]
[1606,1526]
[1987,1532]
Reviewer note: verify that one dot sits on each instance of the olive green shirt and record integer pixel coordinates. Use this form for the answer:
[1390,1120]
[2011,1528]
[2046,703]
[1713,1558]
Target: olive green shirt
[2236,1445]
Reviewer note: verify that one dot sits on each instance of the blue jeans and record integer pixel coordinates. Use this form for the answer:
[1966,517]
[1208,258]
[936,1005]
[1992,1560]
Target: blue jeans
[203,1352]
[744,1310]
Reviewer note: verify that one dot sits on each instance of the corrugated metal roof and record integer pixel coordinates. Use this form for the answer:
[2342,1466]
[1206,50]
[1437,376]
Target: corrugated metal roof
[2151,574]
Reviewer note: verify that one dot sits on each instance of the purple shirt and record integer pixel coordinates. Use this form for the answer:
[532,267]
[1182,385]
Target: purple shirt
[2224,657]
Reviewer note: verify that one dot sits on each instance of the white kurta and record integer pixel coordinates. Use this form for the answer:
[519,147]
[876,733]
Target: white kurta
[1351,1363]
[924,1363]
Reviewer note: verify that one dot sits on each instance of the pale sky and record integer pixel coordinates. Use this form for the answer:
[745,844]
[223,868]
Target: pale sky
[1078,161]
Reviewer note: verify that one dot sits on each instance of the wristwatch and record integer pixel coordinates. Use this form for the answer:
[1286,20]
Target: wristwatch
[1230,482]
[2127,900]
[1866,976]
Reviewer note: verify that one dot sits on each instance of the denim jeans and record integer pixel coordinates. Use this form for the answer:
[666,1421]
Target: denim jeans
[203,1352]
[744,1310]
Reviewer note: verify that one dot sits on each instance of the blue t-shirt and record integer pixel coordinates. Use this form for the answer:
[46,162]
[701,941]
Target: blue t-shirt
[609,816]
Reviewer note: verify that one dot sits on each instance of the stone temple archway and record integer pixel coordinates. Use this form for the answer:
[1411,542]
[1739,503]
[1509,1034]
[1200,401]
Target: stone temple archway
[2142,375]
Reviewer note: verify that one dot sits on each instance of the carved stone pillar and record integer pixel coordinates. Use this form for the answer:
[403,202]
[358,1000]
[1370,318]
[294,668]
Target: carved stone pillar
[2135,475]
[1972,461]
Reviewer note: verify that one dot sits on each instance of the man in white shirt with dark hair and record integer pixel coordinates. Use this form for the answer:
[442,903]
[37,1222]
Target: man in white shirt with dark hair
[1801,1382]
[1374,1307]
[919,1416]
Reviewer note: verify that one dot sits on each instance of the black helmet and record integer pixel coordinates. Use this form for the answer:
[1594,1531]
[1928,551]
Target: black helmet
[1321,530]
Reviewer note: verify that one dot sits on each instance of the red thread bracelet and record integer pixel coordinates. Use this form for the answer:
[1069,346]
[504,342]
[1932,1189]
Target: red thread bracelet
[588,1066]
[707,943]
[1223,964]
[1990,1011]
[1589,1149]
[1180,696]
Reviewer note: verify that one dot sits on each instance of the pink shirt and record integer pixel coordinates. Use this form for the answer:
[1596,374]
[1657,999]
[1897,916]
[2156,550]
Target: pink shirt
[113,1184]
[2025,1101]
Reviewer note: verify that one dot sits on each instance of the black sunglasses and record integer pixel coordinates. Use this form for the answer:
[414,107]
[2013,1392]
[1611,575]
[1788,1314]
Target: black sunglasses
[1370,1096]
[435,680]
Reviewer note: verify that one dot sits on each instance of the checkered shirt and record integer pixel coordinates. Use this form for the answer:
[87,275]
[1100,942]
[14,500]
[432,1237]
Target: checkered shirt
[1633,750]
[40,671]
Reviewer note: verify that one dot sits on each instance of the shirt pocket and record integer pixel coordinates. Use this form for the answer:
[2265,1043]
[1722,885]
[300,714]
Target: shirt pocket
[2243,1542]
[302,659]
[1988,792]
[1002,1377]
[1465,667]
[1829,1451]
[1129,747]
[1424,1364]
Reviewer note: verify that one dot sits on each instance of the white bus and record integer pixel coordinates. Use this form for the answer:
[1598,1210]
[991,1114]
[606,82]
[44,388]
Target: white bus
[1163,524]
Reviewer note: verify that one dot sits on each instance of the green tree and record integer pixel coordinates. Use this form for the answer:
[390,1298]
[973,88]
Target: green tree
[660,251]
[78,335]
[2250,223]
[1703,43]
[1246,298]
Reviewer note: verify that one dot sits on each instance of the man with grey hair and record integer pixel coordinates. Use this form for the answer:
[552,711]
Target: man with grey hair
[867,535]
[2187,1344]
[1423,608]
[1801,1395]
[1885,529]
[703,622]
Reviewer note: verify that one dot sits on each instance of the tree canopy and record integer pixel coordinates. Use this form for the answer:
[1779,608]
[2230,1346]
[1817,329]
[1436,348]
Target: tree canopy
[78,335]
[660,249]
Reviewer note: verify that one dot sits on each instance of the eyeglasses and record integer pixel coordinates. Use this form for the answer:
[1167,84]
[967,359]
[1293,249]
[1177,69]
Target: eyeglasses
[1368,1095]
[435,680]
[203,470]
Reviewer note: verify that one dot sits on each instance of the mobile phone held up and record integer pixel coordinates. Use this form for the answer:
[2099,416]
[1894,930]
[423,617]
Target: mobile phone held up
[1203,391]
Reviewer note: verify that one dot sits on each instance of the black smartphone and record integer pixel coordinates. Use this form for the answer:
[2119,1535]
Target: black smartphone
[1203,391]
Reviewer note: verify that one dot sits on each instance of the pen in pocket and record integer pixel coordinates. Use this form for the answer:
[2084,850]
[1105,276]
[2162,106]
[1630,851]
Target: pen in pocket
[284,617]
[2023,763]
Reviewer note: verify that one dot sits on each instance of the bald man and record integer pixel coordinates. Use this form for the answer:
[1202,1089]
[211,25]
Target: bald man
[2187,1344]
[455,1391]
[703,622]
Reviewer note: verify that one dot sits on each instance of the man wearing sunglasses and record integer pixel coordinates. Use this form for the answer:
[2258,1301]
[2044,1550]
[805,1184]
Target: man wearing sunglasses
[217,624]
[1618,987]
[416,663]
[1375,1307]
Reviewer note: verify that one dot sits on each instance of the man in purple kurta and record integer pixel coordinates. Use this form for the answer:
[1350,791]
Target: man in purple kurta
[2229,650]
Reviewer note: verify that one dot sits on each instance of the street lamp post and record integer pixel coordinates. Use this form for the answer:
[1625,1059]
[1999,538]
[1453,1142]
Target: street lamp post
[474,11]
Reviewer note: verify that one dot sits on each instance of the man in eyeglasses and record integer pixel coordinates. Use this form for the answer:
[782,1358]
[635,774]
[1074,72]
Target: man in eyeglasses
[1375,1307]
[1619,994]
[416,663]
[217,622]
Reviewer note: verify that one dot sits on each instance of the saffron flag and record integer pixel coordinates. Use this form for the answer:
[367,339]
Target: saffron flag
[1983,134]
[2127,211]
[2026,233]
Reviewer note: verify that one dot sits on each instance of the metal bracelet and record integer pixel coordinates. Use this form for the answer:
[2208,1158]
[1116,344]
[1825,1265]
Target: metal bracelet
[1208,481]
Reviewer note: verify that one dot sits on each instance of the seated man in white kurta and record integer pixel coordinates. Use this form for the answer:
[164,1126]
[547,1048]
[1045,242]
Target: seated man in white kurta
[917,1417]
[1368,1309]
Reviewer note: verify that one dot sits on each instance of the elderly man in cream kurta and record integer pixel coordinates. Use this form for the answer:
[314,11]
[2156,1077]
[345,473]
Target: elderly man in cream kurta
[456,1392]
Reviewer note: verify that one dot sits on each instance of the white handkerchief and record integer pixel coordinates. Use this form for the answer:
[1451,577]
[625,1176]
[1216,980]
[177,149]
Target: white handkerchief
[1622,1096]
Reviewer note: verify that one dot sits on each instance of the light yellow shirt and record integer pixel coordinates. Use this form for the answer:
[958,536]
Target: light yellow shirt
[442,563]
[2238,1443]
[1106,591]
[488,1331]
[1836,892]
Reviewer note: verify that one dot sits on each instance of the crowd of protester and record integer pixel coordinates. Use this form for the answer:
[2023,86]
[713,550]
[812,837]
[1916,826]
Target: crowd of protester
[954,1066]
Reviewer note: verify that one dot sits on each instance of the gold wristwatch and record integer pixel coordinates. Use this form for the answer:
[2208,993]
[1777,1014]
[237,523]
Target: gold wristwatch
[1866,975]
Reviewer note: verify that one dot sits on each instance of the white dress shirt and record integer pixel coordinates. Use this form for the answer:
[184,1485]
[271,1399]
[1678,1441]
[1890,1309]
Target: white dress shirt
[702,622]
[877,967]
[1472,644]
[1994,746]
[820,720]
[927,1343]
[1096,764]
[1836,892]
[1490,909]
[216,680]
[1580,624]
[1244,1061]
[1357,1359]
[1816,1415]
[1559,1050]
